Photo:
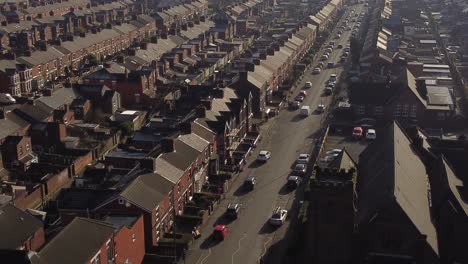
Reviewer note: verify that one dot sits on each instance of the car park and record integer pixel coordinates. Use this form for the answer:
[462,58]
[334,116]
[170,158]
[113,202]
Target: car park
[357,132]
[232,210]
[278,217]
[264,156]
[249,183]
[316,70]
[220,232]
[300,169]
[370,134]
[303,158]
[294,181]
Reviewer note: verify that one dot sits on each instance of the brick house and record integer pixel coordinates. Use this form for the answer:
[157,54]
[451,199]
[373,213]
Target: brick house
[330,227]
[404,99]
[116,239]
[20,230]
[17,153]
[394,219]
[151,195]
[135,87]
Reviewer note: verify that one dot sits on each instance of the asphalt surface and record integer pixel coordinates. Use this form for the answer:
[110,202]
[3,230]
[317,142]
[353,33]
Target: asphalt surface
[286,136]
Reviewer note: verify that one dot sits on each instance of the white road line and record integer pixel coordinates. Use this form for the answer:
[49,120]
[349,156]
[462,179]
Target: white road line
[209,253]
[238,248]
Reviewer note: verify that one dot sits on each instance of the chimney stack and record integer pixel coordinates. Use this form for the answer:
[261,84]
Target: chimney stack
[167,145]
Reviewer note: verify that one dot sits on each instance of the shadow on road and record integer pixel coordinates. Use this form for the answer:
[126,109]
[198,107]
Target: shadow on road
[297,118]
[267,228]
[223,220]
[285,190]
[255,164]
[242,190]
[209,242]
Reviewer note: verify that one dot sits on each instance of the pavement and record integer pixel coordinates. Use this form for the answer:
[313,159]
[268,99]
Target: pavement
[286,136]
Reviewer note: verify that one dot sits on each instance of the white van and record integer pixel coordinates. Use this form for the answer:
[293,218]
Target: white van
[6,98]
[305,111]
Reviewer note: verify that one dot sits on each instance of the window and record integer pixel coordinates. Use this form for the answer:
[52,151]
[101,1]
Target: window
[110,252]
[397,110]
[96,259]
[121,201]
[378,110]
[21,151]
[360,109]
[27,146]
[134,237]
[413,110]
[405,112]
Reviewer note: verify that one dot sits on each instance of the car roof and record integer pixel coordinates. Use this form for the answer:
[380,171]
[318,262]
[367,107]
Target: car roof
[303,155]
[371,131]
[250,178]
[220,227]
[263,152]
[301,165]
[293,178]
[233,206]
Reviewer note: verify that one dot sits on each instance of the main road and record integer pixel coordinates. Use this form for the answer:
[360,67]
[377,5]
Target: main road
[286,136]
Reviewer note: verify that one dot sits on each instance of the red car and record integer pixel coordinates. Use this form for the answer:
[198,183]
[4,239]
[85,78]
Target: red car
[357,132]
[220,232]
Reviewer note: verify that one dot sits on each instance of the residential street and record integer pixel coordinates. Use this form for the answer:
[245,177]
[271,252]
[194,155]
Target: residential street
[286,136]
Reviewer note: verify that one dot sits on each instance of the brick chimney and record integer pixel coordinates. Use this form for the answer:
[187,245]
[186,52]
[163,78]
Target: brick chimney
[201,111]
[167,145]
[185,128]
[149,164]
[206,103]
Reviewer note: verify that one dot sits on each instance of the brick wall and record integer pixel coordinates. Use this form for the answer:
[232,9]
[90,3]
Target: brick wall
[36,241]
[29,200]
[130,243]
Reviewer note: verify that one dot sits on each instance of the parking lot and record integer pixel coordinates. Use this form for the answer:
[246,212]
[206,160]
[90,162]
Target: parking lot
[342,139]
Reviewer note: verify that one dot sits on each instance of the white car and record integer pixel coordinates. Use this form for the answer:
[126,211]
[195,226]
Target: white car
[330,157]
[264,156]
[303,159]
[316,70]
[333,151]
[370,134]
[308,85]
[333,77]
[6,98]
[278,217]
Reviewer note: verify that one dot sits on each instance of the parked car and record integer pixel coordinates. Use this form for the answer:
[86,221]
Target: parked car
[6,98]
[324,57]
[299,98]
[308,85]
[316,70]
[264,156]
[340,46]
[303,158]
[330,65]
[232,210]
[320,108]
[328,90]
[338,36]
[320,64]
[220,232]
[357,132]
[294,181]
[305,111]
[294,105]
[303,93]
[328,50]
[333,151]
[370,134]
[329,158]
[333,77]
[249,183]
[278,217]
[300,169]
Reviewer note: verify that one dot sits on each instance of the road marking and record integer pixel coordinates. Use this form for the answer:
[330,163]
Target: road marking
[238,248]
[265,248]
[209,253]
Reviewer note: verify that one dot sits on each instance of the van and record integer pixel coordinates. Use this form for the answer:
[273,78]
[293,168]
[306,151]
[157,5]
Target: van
[305,111]
[6,98]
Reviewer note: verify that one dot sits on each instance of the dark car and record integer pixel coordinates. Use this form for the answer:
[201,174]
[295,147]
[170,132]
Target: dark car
[233,210]
[294,105]
[249,183]
[294,181]
[300,169]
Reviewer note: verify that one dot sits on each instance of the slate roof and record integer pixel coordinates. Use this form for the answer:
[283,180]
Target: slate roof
[148,190]
[33,113]
[182,157]
[167,170]
[78,242]
[82,199]
[392,173]
[16,226]
[63,96]
[194,141]
[8,127]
